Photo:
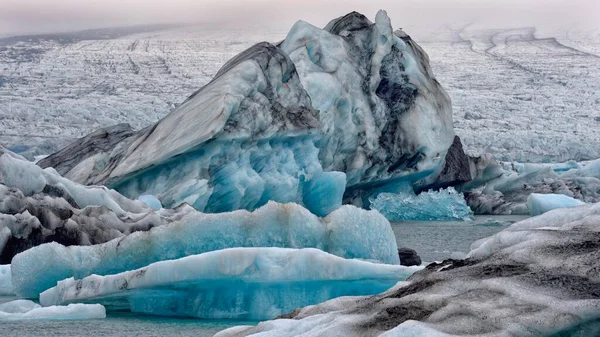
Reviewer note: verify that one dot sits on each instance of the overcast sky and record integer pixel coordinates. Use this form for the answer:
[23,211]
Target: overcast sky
[37,16]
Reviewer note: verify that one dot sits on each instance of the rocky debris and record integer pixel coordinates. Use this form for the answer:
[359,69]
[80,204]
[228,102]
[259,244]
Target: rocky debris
[409,257]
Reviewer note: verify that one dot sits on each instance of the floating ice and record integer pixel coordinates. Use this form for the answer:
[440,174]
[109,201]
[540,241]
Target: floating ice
[442,205]
[6,287]
[38,206]
[348,232]
[507,191]
[238,283]
[27,310]
[542,203]
[353,104]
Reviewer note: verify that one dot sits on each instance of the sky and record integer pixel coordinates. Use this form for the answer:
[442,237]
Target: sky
[48,16]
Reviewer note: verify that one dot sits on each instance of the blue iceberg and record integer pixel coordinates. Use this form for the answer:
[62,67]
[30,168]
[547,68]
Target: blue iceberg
[442,205]
[236,283]
[348,232]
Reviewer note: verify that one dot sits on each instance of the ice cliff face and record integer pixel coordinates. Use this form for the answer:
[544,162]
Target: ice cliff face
[354,105]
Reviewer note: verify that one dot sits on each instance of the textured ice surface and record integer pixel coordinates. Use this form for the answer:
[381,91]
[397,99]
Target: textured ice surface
[534,278]
[5,280]
[38,206]
[139,78]
[503,188]
[542,203]
[442,205]
[27,310]
[353,104]
[236,283]
[348,232]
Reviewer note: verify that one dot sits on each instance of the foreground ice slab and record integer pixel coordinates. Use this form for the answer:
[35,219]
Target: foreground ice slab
[238,283]
[19,310]
[348,232]
[352,104]
[542,203]
[534,278]
[442,205]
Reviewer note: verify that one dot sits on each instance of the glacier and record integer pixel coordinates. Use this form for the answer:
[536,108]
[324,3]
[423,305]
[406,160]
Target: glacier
[235,283]
[25,310]
[442,205]
[348,232]
[535,278]
[354,105]
[542,203]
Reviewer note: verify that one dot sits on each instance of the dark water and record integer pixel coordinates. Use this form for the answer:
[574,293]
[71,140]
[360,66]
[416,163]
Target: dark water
[440,240]
[117,325]
[432,240]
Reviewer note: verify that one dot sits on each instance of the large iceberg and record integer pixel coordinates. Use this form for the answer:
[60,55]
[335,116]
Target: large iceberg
[25,310]
[532,279]
[352,105]
[238,283]
[348,232]
[442,205]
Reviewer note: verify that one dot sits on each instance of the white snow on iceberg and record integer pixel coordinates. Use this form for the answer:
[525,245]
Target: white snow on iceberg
[19,310]
[239,283]
[542,203]
[348,232]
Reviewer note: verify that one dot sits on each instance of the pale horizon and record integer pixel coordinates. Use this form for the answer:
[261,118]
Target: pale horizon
[40,16]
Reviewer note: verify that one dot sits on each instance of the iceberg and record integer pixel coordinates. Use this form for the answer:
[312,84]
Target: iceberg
[354,104]
[442,205]
[235,283]
[20,310]
[535,278]
[348,232]
[6,287]
[39,206]
[508,189]
[542,203]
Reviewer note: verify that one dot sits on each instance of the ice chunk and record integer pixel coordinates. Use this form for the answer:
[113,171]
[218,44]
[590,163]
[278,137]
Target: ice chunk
[239,283]
[27,310]
[542,203]
[6,287]
[151,201]
[55,209]
[31,179]
[442,205]
[348,232]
